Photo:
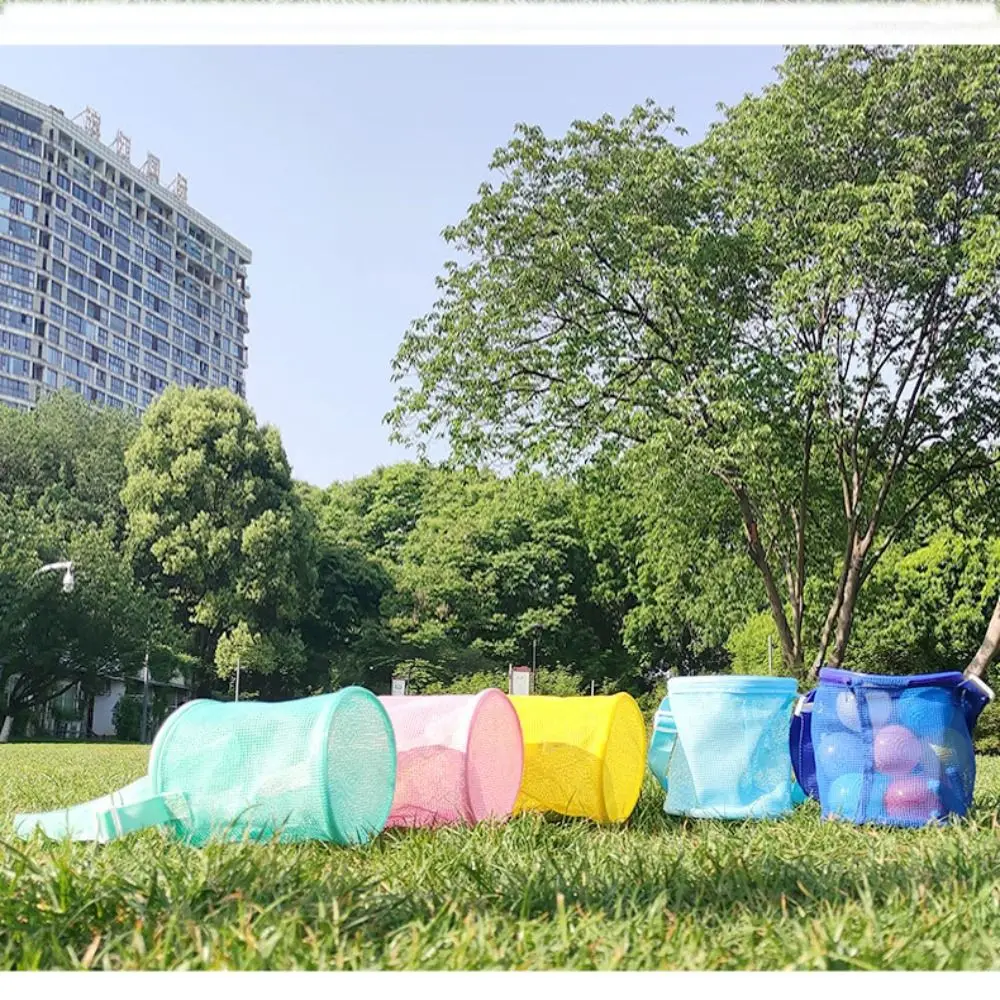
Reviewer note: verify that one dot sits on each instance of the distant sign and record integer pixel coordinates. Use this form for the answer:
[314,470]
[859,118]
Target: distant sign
[398,686]
[521,680]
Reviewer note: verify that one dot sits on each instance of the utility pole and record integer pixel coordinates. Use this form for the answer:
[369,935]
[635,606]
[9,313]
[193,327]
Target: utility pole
[144,722]
[237,698]
[770,655]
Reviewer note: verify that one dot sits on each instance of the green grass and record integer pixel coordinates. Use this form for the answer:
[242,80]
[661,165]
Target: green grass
[537,893]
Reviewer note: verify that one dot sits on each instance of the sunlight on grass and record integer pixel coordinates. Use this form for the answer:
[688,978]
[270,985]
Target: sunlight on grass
[537,893]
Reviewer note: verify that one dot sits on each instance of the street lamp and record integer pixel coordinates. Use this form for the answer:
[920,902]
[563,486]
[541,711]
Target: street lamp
[69,581]
[536,630]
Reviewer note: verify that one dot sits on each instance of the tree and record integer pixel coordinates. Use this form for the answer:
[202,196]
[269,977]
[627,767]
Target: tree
[67,458]
[493,565]
[51,641]
[378,511]
[126,717]
[804,307]
[345,637]
[214,523]
[925,606]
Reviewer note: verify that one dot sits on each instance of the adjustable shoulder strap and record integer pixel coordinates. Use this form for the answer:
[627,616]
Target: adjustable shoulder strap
[662,743]
[800,745]
[134,807]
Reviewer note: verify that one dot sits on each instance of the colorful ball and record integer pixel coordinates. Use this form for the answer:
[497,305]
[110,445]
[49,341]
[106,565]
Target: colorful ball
[912,798]
[897,750]
[838,752]
[926,711]
[844,796]
[879,709]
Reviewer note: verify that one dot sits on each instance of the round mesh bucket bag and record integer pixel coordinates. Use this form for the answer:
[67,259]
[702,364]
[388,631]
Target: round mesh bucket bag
[891,750]
[720,747]
[320,768]
[582,756]
[459,758]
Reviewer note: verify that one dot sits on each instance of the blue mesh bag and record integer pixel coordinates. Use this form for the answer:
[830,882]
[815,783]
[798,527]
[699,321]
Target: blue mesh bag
[889,750]
[720,747]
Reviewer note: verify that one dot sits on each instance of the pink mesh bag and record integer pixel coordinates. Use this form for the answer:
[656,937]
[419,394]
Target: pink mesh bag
[459,758]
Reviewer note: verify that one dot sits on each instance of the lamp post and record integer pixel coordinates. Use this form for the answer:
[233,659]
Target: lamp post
[69,581]
[144,720]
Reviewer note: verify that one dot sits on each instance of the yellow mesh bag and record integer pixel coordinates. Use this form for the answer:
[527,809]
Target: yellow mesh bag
[582,756]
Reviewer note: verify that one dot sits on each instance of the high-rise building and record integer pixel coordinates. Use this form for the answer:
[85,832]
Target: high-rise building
[109,283]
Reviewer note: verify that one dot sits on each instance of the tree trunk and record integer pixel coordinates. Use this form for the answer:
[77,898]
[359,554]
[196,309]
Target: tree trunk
[845,620]
[988,650]
[833,612]
[791,655]
[8,724]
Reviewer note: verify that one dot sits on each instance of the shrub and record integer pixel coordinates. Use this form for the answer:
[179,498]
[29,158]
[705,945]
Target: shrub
[127,717]
[988,730]
[469,684]
[558,682]
[748,645]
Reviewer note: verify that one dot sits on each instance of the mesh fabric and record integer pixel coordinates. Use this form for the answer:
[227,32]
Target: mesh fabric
[894,751]
[459,758]
[320,768]
[582,756]
[720,746]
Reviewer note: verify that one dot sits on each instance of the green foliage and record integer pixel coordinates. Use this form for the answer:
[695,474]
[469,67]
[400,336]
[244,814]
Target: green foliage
[346,638]
[737,388]
[214,521]
[380,510]
[650,701]
[467,684]
[926,606]
[493,566]
[127,718]
[557,682]
[801,308]
[748,646]
[987,737]
[50,640]
[66,458]
[661,893]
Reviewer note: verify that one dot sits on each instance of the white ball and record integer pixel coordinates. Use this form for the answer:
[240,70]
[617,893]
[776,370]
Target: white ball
[879,709]
[847,711]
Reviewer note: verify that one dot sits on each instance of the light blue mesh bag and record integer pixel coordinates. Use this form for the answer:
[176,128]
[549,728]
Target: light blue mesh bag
[720,747]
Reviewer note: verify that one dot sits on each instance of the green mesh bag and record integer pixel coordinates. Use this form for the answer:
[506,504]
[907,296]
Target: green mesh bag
[321,768]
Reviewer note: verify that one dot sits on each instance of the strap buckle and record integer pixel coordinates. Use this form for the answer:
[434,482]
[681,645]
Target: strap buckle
[982,685]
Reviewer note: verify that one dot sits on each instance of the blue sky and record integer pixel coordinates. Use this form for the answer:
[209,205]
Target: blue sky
[339,167]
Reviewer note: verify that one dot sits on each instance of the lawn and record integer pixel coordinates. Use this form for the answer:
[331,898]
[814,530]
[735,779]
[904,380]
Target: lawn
[537,893]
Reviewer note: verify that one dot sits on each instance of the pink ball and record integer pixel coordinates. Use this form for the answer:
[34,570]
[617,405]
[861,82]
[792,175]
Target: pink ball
[897,750]
[911,798]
